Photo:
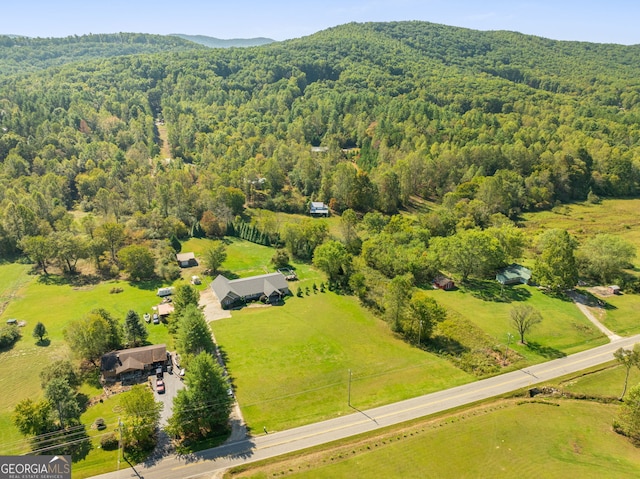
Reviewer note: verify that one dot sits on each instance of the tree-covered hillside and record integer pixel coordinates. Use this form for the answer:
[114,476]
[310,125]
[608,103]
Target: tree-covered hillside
[20,54]
[484,122]
[213,42]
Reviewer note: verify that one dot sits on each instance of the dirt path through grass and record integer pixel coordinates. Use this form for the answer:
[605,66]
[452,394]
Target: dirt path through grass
[580,301]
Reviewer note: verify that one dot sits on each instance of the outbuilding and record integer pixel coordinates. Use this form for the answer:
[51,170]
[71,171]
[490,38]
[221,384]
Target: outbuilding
[442,282]
[186,260]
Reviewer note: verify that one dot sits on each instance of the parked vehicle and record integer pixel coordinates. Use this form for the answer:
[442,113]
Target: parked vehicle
[160,386]
[156,318]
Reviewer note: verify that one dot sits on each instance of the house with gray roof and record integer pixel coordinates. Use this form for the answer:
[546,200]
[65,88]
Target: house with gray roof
[272,287]
[514,274]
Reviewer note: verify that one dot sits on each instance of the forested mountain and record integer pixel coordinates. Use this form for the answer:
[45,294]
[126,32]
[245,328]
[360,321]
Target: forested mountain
[20,54]
[484,122]
[213,42]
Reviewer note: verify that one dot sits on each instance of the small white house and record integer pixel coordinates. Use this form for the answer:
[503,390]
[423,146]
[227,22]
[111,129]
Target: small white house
[318,208]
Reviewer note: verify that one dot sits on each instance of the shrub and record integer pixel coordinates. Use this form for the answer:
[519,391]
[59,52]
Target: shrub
[109,442]
[8,336]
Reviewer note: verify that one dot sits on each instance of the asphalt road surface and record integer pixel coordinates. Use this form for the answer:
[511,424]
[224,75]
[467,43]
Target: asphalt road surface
[209,463]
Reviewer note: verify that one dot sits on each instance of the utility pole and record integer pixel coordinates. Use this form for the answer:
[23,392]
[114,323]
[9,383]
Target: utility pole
[349,396]
[119,441]
[506,350]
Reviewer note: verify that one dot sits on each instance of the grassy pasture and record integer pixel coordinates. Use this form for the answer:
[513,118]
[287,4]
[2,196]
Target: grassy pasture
[564,329]
[290,363]
[503,438]
[571,439]
[584,220]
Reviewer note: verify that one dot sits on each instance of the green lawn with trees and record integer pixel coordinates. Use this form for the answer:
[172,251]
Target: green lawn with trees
[290,364]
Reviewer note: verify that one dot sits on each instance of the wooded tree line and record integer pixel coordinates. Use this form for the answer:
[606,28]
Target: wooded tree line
[486,123]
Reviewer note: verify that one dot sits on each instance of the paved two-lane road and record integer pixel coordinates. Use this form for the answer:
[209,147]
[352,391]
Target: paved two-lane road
[208,462]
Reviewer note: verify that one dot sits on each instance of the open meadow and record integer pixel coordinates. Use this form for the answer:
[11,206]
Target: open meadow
[541,437]
[290,363]
[583,220]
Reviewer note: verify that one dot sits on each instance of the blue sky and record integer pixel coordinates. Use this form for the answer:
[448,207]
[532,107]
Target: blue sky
[612,21]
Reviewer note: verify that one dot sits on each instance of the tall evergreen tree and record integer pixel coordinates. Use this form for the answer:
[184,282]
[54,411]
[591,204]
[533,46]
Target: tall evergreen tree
[135,331]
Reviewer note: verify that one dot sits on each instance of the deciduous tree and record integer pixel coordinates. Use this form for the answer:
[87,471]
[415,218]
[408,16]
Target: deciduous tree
[523,318]
[333,258]
[39,331]
[555,265]
[215,255]
[628,358]
[141,416]
[138,261]
[604,256]
[92,336]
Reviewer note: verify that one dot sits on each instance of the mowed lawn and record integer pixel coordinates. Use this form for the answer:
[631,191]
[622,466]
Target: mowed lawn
[506,438]
[55,304]
[291,363]
[563,330]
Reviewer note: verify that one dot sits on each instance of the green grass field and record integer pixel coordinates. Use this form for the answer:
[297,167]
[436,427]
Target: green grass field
[291,363]
[564,329]
[548,437]
[583,220]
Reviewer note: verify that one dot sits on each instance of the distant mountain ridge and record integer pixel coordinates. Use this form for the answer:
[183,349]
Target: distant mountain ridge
[19,54]
[213,42]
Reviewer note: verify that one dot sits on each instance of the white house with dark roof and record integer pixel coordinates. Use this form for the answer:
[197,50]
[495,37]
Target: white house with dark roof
[272,286]
[318,208]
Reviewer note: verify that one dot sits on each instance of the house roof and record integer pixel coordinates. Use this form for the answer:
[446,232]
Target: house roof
[318,206]
[165,309]
[133,359]
[514,273]
[442,280]
[237,288]
[185,256]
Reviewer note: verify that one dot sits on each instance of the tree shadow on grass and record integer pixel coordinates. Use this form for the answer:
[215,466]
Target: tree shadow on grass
[227,274]
[43,342]
[75,280]
[559,295]
[148,285]
[545,351]
[494,291]
[445,345]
